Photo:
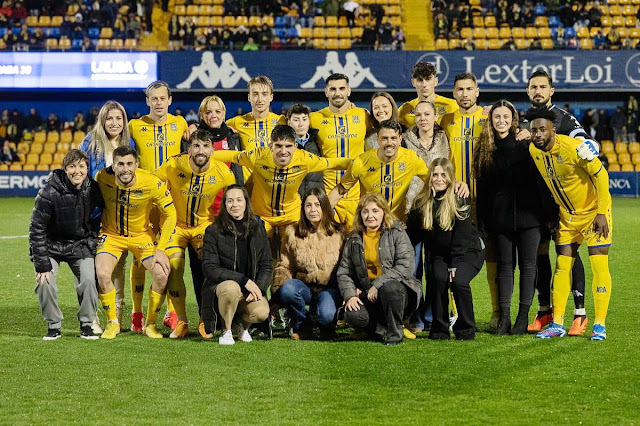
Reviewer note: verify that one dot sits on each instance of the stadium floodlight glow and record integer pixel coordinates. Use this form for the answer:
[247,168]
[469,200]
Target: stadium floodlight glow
[77,70]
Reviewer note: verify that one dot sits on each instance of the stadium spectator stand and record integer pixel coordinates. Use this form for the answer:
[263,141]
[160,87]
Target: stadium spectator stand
[536,25]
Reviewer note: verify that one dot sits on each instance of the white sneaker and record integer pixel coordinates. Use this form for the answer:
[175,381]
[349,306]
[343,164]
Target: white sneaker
[95,326]
[226,338]
[243,335]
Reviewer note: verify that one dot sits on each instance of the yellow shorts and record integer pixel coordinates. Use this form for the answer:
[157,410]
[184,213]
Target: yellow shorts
[279,222]
[579,228]
[183,237]
[143,246]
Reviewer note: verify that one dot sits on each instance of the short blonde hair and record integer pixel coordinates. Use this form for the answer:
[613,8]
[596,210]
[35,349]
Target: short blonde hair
[262,80]
[205,102]
[387,221]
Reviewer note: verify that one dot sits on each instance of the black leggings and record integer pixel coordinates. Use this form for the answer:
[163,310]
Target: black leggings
[524,243]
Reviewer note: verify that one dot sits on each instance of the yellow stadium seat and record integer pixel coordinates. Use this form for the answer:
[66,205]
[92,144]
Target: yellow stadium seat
[606,21]
[117,44]
[56,21]
[31,21]
[15,167]
[442,44]
[585,44]
[216,21]
[583,32]
[33,158]
[505,32]
[522,43]
[547,43]
[518,32]
[36,148]
[23,147]
[203,21]
[104,44]
[612,157]
[46,158]
[318,21]
[466,32]
[618,21]
[530,32]
[344,43]
[56,166]
[42,167]
[58,157]
[479,33]
[623,158]
[180,10]
[242,20]
[615,10]
[623,32]
[481,43]
[50,148]
[206,10]
[193,10]
[229,21]
[44,20]
[356,32]
[614,167]
[331,32]
[51,43]
[395,11]
[492,32]
[627,168]
[268,19]
[634,147]
[635,158]
[630,21]
[63,147]
[106,32]
[541,21]
[305,32]
[342,21]
[131,43]
[318,32]
[395,21]
[332,44]
[331,21]
[607,146]
[318,43]
[544,32]
[593,31]
[218,10]
[78,136]
[40,137]
[255,21]
[454,43]
[490,21]
[4,167]
[621,148]
[64,44]
[494,44]
[478,21]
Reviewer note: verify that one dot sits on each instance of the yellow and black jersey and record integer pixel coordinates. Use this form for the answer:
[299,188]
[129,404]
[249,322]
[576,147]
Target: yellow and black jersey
[275,190]
[463,131]
[194,193]
[255,133]
[155,142]
[578,186]
[443,105]
[389,179]
[340,136]
[126,211]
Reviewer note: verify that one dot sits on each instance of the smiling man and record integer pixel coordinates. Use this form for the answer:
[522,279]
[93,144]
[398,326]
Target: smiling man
[130,194]
[387,170]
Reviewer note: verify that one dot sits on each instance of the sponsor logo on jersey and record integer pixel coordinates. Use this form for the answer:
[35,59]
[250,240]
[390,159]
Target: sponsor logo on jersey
[212,180]
[466,132]
[402,166]
[262,133]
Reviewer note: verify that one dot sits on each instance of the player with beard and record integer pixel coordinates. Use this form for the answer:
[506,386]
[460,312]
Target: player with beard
[540,90]
[342,129]
[130,194]
[194,180]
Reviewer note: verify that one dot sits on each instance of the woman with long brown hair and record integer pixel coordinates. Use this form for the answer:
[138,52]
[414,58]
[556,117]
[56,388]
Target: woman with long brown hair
[306,271]
[383,107]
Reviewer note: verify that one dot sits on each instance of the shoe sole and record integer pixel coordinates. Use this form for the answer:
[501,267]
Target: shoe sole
[178,336]
[89,337]
[51,338]
[598,337]
[549,337]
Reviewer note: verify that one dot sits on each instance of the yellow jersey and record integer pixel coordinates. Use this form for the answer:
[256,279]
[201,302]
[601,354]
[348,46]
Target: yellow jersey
[156,142]
[341,136]
[194,193]
[126,211]
[444,106]
[275,190]
[463,131]
[578,186]
[255,133]
[390,179]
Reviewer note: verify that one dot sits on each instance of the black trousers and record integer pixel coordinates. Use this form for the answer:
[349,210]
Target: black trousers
[543,281]
[465,326]
[197,274]
[524,243]
[383,318]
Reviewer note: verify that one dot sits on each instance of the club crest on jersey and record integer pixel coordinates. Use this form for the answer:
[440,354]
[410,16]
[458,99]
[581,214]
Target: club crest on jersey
[173,127]
[355,119]
[482,121]
[441,111]
[212,180]
[402,166]
[137,192]
[295,169]
[559,159]
[274,122]
[225,145]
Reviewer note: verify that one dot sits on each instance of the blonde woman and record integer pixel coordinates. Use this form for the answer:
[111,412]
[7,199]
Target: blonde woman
[453,250]
[111,131]
[375,276]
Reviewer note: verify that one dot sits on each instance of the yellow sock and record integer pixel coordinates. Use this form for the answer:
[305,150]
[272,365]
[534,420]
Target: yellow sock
[601,286]
[177,292]
[492,271]
[108,301]
[561,287]
[170,306]
[155,303]
[452,304]
[137,284]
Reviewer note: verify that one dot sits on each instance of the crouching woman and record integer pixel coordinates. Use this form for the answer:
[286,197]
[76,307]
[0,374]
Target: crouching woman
[237,265]
[375,275]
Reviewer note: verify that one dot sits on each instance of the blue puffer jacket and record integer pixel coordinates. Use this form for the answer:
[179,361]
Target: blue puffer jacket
[96,162]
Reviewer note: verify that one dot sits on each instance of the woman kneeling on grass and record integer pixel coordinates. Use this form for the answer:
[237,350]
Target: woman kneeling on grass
[237,265]
[376,272]
[306,271]
[453,250]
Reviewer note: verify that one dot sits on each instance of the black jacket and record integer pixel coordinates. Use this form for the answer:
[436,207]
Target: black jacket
[458,244]
[312,180]
[233,140]
[510,196]
[64,224]
[219,257]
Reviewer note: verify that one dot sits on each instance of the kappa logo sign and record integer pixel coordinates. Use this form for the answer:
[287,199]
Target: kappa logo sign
[352,69]
[210,74]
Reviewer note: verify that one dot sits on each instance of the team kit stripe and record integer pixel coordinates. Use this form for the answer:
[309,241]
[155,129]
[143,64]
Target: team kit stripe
[572,209]
[554,183]
[127,213]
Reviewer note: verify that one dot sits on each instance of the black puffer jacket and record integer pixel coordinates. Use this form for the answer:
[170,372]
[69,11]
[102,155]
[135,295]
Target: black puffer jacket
[64,225]
[312,180]
[233,140]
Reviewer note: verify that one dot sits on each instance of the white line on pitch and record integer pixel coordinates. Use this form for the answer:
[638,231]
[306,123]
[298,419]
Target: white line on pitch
[11,237]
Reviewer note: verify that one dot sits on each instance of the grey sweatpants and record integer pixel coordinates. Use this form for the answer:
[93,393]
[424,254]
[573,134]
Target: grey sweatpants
[85,282]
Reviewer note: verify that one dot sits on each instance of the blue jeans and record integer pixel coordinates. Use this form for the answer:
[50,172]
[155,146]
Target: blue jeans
[422,317]
[295,295]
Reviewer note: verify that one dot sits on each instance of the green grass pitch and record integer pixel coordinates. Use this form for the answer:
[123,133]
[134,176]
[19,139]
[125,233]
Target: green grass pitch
[493,379]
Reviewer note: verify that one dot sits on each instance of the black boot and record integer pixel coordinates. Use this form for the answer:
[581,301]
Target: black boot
[522,320]
[504,324]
